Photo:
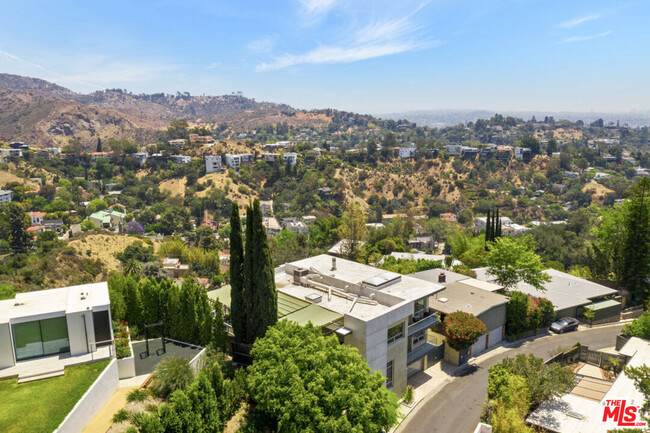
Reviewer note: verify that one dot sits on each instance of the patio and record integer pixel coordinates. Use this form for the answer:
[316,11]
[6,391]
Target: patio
[146,364]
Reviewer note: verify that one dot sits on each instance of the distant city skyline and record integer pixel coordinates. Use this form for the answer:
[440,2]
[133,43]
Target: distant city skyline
[365,56]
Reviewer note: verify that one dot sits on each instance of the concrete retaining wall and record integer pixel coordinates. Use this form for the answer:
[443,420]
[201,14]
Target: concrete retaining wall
[92,401]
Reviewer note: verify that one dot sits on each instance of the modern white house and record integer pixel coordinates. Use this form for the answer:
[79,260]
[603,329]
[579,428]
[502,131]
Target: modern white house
[292,157]
[212,163]
[140,157]
[5,196]
[384,315]
[67,322]
[234,161]
[180,159]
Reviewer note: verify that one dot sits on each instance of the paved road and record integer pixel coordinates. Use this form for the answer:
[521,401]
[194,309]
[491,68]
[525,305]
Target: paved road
[456,407]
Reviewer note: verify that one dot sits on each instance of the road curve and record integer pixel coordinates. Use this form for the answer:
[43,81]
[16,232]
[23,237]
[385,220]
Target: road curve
[456,407]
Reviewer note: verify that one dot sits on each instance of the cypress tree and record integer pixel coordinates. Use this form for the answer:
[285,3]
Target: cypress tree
[488,231]
[238,303]
[497,223]
[99,144]
[636,254]
[266,302]
[248,268]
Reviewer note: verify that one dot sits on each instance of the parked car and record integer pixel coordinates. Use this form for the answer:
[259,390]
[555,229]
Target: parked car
[565,324]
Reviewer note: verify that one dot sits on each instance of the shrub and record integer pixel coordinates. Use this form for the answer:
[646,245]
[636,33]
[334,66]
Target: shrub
[171,374]
[408,395]
[139,394]
[120,415]
[639,327]
[463,329]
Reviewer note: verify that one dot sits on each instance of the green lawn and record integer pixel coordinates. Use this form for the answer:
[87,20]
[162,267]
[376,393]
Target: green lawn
[40,406]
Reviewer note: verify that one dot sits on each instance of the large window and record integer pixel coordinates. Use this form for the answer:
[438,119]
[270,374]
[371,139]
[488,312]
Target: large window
[389,374]
[41,338]
[418,312]
[395,333]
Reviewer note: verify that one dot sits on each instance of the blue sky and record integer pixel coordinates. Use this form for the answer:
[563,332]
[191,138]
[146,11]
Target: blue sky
[371,56]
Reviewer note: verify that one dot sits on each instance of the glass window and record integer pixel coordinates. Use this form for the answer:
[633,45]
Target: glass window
[418,339]
[389,374]
[396,332]
[27,338]
[41,338]
[419,309]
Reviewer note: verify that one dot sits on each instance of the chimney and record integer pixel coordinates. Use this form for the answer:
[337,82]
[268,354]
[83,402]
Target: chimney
[333,264]
[442,278]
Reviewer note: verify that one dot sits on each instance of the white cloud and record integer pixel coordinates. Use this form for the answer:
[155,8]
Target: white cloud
[375,39]
[585,38]
[262,45]
[579,20]
[313,10]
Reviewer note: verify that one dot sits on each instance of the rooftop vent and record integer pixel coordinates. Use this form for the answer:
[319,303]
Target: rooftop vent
[18,304]
[575,415]
[314,297]
[443,300]
[442,278]
[299,273]
[383,280]
[84,295]
[333,264]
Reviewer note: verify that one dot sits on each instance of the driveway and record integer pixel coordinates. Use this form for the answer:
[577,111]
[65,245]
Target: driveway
[457,406]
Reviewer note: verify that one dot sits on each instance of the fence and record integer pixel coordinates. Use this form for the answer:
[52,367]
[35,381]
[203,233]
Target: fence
[584,354]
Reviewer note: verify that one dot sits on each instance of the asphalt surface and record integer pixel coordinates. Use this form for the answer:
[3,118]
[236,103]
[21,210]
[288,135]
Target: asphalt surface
[456,407]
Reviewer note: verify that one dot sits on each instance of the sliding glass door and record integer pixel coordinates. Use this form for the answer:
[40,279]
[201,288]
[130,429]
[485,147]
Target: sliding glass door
[41,338]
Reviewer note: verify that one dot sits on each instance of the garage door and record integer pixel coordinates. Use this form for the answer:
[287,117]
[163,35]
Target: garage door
[496,335]
[479,346]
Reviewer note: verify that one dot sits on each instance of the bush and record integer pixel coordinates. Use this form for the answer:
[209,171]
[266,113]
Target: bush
[639,327]
[525,313]
[171,374]
[139,394]
[463,329]
[88,225]
[120,415]
[408,395]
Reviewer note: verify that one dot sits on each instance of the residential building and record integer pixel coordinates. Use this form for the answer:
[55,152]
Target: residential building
[407,152]
[179,142]
[586,407]
[107,218]
[569,294]
[472,296]
[55,225]
[212,163]
[422,243]
[5,196]
[271,225]
[504,152]
[454,149]
[309,219]
[12,153]
[325,192]
[270,157]
[175,267]
[67,321]
[96,156]
[234,161]
[292,157]
[469,153]
[35,229]
[524,154]
[277,145]
[266,206]
[180,159]
[140,157]
[422,256]
[384,315]
[448,216]
[571,174]
[37,217]
[481,222]
[298,227]
[206,139]
[342,247]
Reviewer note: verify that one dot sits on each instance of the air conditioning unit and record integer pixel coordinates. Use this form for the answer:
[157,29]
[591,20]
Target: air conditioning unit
[314,297]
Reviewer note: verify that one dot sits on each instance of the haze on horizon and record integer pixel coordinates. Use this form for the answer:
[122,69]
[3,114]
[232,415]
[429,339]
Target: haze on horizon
[366,56]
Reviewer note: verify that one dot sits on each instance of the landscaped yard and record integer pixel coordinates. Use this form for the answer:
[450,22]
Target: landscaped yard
[40,406]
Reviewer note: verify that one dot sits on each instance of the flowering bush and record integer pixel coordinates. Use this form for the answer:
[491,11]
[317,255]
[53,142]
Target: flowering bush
[134,228]
[526,312]
[463,329]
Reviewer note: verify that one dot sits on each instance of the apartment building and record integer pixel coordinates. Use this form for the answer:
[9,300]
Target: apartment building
[212,163]
[5,196]
[384,315]
[234,161]
[292,157]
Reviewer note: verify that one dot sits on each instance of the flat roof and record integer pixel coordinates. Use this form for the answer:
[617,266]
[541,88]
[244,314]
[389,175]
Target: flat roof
[564,290]
[222,294]
[313,313]
[64,300]
[451,277]
[460,297]
[394,293]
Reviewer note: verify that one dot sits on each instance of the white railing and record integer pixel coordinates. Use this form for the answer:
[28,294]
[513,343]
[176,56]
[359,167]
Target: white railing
[111,348]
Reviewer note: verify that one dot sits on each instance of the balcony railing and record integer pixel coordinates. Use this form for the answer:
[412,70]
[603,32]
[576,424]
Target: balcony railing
[420,352]
[424,323]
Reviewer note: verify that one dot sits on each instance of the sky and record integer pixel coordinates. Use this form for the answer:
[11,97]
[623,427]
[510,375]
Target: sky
[374,56]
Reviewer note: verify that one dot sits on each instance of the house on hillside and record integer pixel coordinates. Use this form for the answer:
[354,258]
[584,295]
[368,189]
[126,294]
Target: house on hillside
[5,196]
[107,218]
[37,218]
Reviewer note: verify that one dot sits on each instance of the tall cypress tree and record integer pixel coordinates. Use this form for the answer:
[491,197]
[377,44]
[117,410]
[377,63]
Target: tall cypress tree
[249,267]
[99,144]
[497,231]
[238,303]
[636,254]
[266,302]
[488,231]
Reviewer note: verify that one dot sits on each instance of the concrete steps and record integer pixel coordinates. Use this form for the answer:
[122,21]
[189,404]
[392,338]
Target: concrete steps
[40,375]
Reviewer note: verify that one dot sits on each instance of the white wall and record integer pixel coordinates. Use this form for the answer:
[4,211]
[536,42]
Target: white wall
[7,351]
[92,401]
[80,337]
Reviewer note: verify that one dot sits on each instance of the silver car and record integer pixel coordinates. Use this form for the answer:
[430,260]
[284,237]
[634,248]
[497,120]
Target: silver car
[565,324]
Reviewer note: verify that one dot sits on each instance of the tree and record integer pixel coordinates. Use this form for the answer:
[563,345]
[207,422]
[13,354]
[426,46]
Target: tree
[639,327]
[205,238]
[512,260]
[511,408]
[641,377]
[353,230]
[463,329]
[636,254]
[533,144]
[551,147]
[238,303]
[134,228]
[259,277]
[99,144]
[178,128]
[14,223]
[310,383]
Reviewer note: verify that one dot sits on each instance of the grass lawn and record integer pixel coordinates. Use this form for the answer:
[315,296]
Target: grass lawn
[40,406]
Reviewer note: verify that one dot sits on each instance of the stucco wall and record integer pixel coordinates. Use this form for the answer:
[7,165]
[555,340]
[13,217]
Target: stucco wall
[6,347]
[494,317]
[92,401]
[80,336]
